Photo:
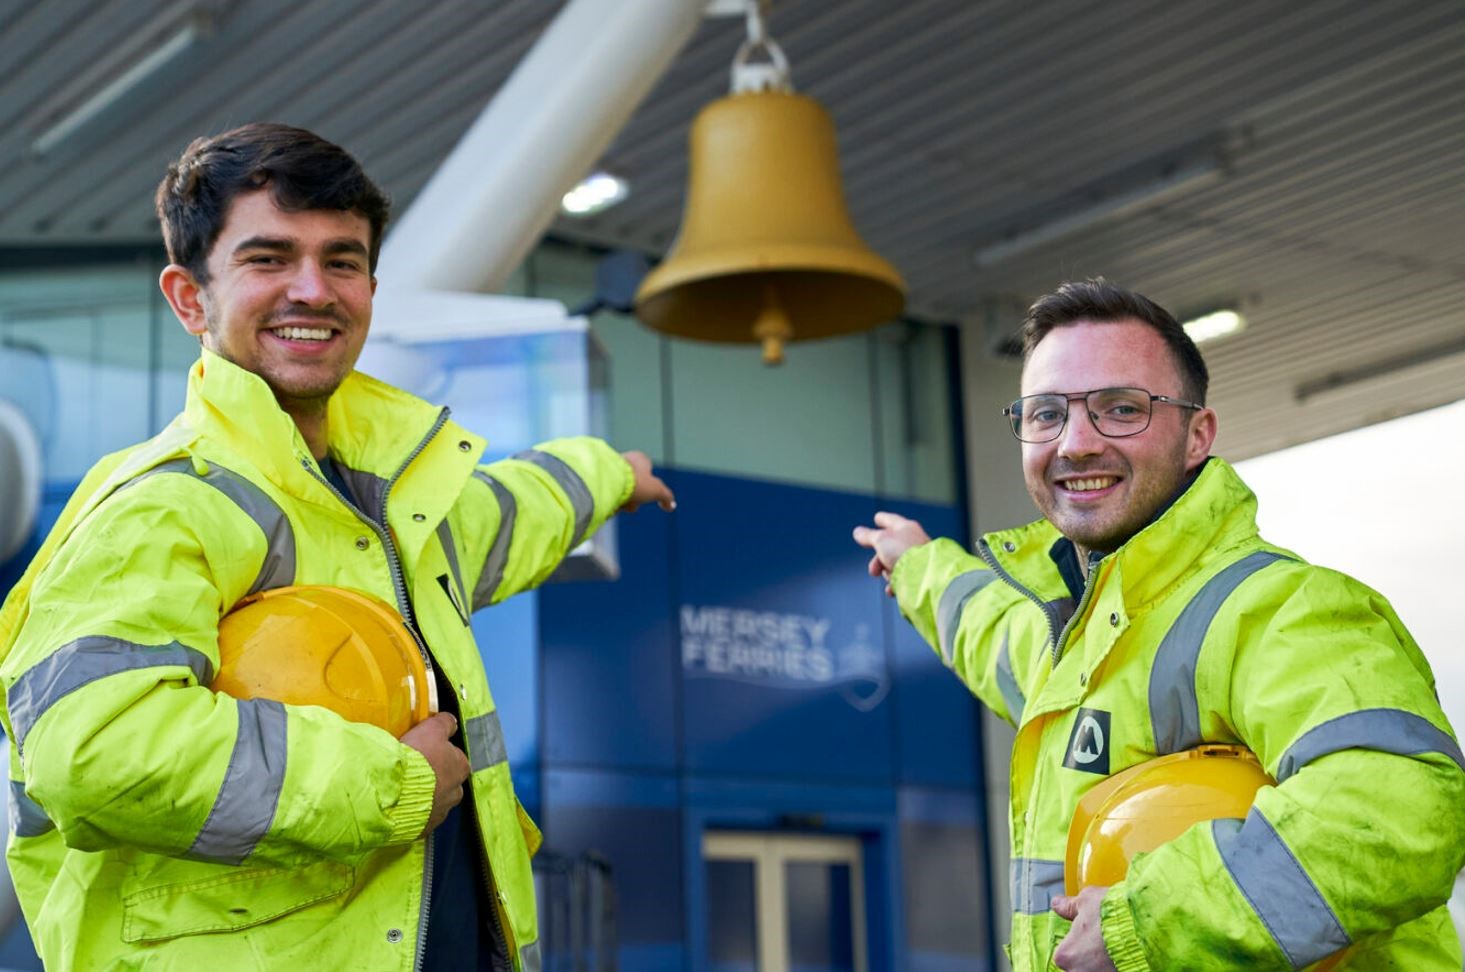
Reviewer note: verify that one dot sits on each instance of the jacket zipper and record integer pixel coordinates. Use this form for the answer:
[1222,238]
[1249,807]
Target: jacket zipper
[427,863]
[502,945]
[389,547]
[1058,637]
[409,617]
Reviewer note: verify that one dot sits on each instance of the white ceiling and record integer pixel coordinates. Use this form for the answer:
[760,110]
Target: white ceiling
[1337,128]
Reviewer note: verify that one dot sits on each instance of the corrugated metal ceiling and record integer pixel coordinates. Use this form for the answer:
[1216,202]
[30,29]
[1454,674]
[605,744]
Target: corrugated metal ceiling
[1338,128]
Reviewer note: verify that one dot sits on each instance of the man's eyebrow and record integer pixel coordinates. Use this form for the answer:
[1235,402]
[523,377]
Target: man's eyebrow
[346,245]
[279,243]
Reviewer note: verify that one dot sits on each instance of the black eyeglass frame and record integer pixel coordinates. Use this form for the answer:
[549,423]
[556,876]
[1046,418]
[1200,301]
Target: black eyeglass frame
[1013,411]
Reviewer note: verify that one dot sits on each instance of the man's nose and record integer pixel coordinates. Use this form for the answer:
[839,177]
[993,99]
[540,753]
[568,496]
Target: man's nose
[309,286]
[1080,436]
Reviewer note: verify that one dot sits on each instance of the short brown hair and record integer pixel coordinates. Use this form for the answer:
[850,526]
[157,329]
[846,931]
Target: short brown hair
[1096,299]
[301,170]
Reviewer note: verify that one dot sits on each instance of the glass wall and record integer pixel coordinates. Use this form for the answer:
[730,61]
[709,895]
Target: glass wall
[870,412]
[93,356]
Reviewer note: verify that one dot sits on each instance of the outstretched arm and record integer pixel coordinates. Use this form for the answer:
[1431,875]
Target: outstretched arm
[519,517]
[948,596]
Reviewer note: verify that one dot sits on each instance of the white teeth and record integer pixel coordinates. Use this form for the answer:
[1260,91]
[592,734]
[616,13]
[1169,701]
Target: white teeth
[1085,485]
[304,333]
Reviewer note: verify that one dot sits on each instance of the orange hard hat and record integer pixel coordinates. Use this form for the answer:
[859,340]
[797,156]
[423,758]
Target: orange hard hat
[341,649]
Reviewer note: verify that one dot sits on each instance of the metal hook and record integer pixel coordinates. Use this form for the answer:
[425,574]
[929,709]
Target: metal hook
[772,75]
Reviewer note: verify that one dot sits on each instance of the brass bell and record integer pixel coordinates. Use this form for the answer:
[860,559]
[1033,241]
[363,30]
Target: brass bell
[766,250]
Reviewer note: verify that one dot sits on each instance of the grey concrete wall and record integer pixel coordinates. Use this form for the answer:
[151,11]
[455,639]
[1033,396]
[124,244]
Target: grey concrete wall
[997,499]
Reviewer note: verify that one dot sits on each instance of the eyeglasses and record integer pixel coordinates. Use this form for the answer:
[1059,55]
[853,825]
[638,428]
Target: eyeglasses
[1115,412]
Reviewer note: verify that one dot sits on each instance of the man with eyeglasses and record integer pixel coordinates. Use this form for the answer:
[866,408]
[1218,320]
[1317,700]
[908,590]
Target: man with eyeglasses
[1143,616]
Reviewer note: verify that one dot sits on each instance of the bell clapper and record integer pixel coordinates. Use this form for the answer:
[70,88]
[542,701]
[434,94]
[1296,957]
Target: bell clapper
[772,327]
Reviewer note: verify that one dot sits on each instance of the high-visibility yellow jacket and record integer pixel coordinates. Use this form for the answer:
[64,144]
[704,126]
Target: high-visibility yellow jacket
[1196,630]
[158,824]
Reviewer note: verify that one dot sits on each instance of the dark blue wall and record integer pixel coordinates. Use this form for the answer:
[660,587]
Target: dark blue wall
[745,672]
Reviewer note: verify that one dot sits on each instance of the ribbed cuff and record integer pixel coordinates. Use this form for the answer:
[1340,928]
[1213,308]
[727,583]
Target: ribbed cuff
[414,802]
[1116,923]
[912,563]
[630,483]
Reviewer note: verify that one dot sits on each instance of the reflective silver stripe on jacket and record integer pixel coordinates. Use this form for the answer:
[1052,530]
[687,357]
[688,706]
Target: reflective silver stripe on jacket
[580,499]
[1174,709]
[1035,883]
[83,661]
[485,741]
[949,608]
[1278,889]
[1012,695]
[1382,730]
[27,819]
[529,957]
[246,804]
[278,569]
[498,554]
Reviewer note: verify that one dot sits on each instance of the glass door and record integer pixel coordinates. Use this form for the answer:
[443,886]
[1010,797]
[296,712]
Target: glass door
[784,903]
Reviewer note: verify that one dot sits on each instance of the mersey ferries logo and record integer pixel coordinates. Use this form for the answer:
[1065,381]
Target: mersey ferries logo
[786,651]
[1088,744]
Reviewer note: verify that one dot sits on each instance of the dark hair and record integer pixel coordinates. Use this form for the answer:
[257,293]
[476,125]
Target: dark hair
[301,170]
[1097,299]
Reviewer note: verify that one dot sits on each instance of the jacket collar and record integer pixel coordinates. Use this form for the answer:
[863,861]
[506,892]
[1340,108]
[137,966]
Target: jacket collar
[371,426]
[1065,553]
[1216,512]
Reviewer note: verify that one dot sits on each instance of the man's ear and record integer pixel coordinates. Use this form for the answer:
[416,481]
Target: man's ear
[1201,436]
[185,295]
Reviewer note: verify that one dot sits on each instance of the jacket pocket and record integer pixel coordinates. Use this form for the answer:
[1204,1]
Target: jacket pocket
[533,839]
[237,898]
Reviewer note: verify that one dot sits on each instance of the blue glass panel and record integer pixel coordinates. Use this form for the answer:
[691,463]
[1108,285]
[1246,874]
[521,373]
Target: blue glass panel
[820,913]
[610,659]
[937,727]
[784,666]
[732,923]
[631,822]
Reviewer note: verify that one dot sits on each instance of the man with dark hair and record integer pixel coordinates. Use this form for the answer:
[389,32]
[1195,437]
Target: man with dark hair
[1144,618]
[156,823]
[299,169]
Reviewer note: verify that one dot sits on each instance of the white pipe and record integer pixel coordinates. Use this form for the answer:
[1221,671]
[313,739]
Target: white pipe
[492,198]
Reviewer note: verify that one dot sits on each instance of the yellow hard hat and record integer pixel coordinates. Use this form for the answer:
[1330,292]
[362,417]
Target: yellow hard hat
[341,649]
[1140,808]
[1147,805]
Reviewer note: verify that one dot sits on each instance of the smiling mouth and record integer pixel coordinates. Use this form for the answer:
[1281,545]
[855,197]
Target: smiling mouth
[303,333]
[1090,484]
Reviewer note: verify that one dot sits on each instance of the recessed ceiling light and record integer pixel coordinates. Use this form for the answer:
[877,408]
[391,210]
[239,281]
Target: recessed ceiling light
[596,192]
[1218,324]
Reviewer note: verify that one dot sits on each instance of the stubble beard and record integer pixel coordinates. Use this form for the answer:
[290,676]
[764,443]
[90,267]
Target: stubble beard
[1106,530]
[304,398]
